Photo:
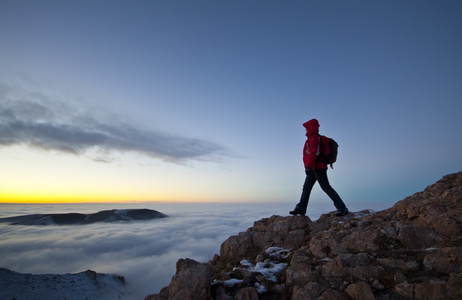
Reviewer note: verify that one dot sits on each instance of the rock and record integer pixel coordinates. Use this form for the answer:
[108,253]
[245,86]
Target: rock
[360,291]
[357,266]
[454,286]
[433,290]
[405,289]
[416,237]
[327,243]
[236,246]
[248,293]
[191,281]
[412,250]
[163,294]
[311,291]
[298,274]
[400,278]
[331,294]
[221,294]
[447,260]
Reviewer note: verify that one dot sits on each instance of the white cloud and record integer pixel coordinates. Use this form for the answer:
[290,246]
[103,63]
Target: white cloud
[145,253]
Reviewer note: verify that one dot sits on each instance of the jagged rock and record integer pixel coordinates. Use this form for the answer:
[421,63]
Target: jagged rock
[276,231]
[325,244]
[446,260]
[298,274]
[416,237]
[190,282]
[248,293]
[236,246]
[358,266]
[163,295]
[454,285]
[311,291]
[360,291]
[221,294]
[432,290]
[412,250]
[331,294]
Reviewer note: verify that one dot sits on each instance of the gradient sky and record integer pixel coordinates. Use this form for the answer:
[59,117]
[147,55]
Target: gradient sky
[205,100]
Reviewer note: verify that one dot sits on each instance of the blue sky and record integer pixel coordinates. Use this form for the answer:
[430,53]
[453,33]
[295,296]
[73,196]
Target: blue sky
[204,100]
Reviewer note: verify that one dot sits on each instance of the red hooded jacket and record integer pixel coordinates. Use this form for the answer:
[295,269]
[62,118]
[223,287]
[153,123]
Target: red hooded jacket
[311,149]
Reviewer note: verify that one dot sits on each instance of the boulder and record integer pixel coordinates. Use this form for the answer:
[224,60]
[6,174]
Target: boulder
[360,291]
[190,282]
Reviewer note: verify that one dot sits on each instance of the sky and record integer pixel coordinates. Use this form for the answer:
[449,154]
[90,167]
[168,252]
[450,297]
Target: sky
[204,101]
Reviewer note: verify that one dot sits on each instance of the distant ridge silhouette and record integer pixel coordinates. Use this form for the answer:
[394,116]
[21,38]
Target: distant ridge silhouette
[113,215]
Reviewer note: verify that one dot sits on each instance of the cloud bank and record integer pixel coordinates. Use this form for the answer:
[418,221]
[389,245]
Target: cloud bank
[144,252]
[38,120]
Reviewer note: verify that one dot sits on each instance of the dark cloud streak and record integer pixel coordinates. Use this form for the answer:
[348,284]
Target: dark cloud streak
[37,120]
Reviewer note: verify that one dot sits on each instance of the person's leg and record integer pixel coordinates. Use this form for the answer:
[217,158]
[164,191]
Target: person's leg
[300,208]
[321,176]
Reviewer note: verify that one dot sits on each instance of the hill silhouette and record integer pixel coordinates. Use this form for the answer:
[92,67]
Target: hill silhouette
[78,218]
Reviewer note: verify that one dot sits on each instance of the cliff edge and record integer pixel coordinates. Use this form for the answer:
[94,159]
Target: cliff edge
[412,250]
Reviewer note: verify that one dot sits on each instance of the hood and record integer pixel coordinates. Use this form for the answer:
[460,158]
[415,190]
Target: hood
[312,126]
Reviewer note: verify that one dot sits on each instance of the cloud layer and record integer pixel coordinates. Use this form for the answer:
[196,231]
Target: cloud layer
[38,120]
[145,253]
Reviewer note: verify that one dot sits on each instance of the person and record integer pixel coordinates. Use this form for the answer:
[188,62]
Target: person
[315,171]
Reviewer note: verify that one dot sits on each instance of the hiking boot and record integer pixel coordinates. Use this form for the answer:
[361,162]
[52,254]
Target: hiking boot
[296,212]
[341,212]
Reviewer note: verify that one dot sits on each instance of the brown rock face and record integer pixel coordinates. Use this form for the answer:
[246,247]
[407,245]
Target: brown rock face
[191,282]
[410,251]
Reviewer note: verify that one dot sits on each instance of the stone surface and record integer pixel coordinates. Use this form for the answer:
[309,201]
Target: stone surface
[191,282]
[360,291]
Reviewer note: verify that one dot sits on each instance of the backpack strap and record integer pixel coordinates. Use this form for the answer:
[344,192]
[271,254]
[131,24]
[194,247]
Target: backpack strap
[321,149]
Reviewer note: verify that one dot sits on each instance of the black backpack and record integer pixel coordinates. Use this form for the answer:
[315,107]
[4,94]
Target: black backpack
[328,150]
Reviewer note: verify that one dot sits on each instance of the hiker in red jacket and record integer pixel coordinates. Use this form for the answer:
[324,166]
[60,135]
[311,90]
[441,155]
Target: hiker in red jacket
[315,171]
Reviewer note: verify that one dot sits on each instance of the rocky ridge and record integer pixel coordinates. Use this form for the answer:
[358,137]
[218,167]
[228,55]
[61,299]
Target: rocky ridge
[412,250]
[113,215]
[83,285]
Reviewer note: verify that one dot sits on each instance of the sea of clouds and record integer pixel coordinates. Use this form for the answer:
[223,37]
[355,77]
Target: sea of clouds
[144,252]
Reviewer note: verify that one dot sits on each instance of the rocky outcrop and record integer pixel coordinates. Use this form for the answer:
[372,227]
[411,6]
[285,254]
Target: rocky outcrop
[83,285]
[81,219]
[191,282]
[410,251]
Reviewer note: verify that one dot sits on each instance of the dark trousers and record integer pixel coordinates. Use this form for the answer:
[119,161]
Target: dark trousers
[319,175]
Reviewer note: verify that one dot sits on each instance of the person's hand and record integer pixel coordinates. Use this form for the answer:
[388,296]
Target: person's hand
[307,170]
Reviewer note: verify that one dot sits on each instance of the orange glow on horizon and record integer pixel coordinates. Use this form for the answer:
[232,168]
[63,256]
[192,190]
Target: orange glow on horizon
[56,199]
[94,197]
